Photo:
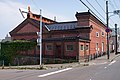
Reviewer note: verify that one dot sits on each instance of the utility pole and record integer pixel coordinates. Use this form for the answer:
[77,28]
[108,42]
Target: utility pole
[116,39]
[40,37]
[39,33]
[108,29]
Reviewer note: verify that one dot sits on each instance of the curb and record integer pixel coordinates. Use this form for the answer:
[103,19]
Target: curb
[59,67]
[114,57]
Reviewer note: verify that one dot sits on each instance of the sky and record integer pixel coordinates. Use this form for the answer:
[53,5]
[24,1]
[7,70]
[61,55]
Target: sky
[63,10]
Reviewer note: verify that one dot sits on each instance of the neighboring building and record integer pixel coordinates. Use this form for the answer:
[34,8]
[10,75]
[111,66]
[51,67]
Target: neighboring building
[84,38]
[114,41]
[7,38]
[0,40]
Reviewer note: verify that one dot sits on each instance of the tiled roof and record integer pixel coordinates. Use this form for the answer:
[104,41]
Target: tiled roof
[35,21]
[59,25]
[62,25]
[38,16]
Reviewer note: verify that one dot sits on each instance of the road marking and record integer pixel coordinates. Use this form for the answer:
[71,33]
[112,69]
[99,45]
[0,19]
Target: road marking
[112,63]
[103,63]
[105,67]
[99,63]
[51,73]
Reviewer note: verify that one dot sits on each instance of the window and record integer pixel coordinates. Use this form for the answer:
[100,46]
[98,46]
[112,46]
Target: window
[81,47]
[97,34]
[69,48]
[102,33]
[87,47]
[102,46]
[49,47]
[97,46]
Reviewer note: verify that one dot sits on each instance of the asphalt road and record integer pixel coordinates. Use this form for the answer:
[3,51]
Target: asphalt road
[108,71]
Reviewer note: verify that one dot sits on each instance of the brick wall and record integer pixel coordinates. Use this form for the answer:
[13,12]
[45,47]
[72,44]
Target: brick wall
[87,19]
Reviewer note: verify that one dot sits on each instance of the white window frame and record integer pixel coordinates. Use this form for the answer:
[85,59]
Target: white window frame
[87,47]
[81,47]
[103,34]
[97,33]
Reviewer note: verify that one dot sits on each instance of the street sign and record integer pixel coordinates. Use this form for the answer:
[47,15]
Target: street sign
[107,30]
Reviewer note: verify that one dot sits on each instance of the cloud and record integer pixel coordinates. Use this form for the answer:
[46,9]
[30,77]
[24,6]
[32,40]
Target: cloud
[9,16]
[59,17]
[49,14]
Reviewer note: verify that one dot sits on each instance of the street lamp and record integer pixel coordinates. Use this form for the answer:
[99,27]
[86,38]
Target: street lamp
[39,33]
[107,21]
[116,39]
[39,40]
[40,37]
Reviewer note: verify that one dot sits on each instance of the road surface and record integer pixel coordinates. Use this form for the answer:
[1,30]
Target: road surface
[107,71]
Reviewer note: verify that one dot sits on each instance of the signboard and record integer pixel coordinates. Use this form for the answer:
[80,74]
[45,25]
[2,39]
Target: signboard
[107,30]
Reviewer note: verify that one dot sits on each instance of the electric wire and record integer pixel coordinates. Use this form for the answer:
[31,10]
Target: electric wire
[95,9]
[100,6]
[112,4]
[35,4]
[92,11]
[103,10]
[115,4]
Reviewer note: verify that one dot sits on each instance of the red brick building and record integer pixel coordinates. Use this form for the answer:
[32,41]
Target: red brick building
[85,37]
[97,36]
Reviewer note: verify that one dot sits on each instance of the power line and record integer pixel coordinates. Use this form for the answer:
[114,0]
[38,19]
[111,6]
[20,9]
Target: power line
[94,13]
[91,11]
[100,6]
[103,10]
[115,3]
[35,4]
[113,8]
[95,9]
[112,4]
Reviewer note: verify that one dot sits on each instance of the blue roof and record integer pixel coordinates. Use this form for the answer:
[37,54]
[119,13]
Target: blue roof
[62,25]
[59,25]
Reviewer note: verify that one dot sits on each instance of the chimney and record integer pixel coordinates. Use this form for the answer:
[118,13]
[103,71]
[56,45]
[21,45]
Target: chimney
[55,18]
[28,14]
[28,8]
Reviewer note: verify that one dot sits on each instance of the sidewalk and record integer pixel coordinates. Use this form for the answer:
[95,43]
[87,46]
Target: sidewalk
[103,59]
[97,61]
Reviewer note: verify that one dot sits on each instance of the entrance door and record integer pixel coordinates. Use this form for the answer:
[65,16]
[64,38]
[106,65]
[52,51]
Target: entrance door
[58,51]
[102,47]
[96,49]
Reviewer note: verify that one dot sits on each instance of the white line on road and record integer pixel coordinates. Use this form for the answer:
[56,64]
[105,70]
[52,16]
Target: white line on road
[51,73]
[112,63]
[98,63]
[105,67]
